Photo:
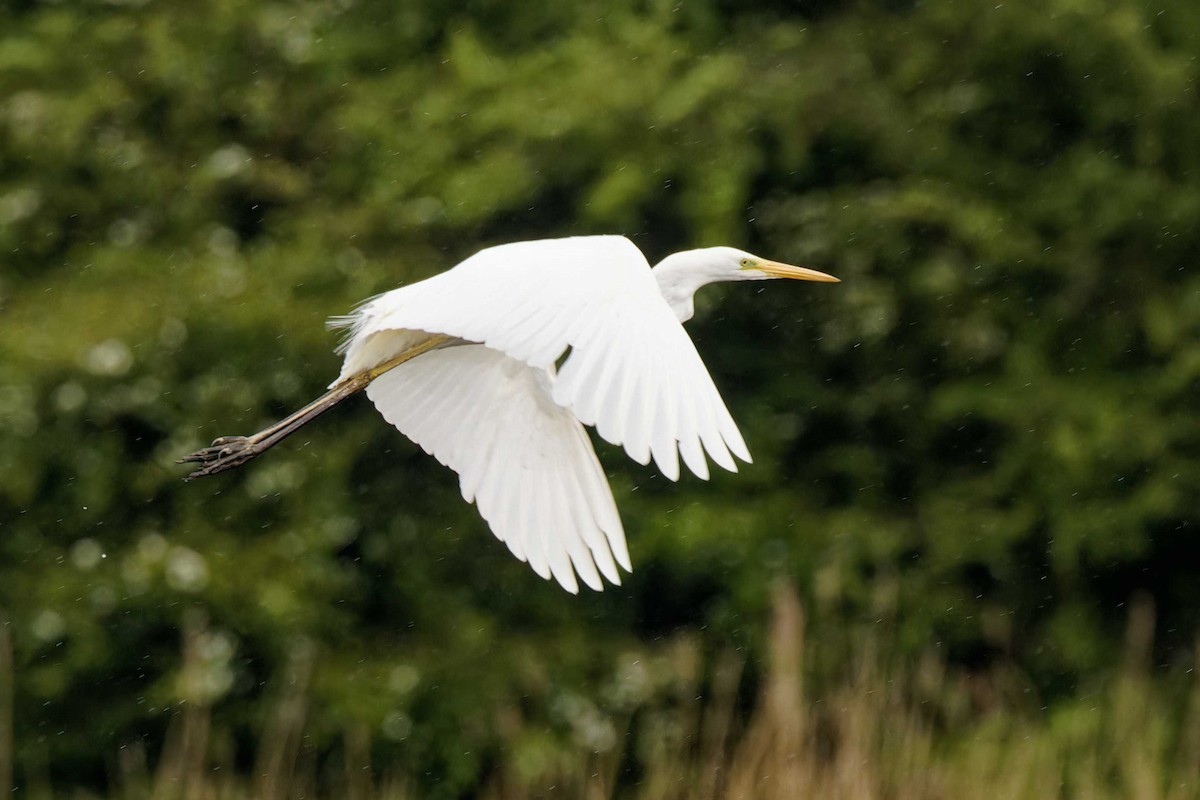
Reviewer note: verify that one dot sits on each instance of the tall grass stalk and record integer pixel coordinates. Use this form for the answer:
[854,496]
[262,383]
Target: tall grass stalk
[7,684]
[885,730]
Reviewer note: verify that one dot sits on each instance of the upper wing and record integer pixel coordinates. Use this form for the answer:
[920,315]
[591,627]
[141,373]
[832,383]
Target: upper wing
[632,371]
[524,460]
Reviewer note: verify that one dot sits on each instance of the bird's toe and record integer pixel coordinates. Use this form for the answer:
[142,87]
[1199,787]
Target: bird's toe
[221,448]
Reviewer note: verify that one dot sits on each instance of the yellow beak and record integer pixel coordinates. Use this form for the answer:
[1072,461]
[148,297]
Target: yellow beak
[777,270]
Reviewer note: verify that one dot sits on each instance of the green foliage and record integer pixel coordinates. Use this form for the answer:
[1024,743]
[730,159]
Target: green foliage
[986,433]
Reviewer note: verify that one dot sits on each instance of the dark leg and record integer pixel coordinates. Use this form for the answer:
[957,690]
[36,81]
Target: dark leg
[228,452]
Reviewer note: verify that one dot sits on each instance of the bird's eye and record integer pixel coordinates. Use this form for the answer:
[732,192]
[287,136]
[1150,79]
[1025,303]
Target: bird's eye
[746,263]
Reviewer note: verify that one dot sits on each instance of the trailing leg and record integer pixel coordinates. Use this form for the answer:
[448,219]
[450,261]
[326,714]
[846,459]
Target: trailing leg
[228,452]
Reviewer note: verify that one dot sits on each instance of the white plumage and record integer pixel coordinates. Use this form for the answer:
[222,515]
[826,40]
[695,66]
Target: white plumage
[497,414]
[524,460]
[463,363]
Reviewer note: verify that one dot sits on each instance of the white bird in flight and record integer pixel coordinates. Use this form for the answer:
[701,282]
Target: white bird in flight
[464,364]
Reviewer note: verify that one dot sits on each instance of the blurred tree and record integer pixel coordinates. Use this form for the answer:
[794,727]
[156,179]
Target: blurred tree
[986,435]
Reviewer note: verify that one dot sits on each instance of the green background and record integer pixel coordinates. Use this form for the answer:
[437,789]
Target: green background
[983,443]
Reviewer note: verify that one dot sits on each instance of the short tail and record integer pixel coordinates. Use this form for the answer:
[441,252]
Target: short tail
[351,323]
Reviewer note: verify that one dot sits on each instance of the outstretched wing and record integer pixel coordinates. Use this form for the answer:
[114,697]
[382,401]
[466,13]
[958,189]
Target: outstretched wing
[523,459]
[632,371]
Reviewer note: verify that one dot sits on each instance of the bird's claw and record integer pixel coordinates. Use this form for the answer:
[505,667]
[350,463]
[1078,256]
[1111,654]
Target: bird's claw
[221,447]
[226,452]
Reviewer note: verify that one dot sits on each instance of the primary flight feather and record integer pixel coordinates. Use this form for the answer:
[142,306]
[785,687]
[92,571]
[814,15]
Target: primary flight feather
[463,363]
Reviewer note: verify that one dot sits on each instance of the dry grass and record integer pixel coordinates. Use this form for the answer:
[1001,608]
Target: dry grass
[894,734]
[6,707]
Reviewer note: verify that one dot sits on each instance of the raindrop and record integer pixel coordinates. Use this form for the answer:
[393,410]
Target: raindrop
[48,625]
[110,358]
[69,397]
[186,570]
[86,554]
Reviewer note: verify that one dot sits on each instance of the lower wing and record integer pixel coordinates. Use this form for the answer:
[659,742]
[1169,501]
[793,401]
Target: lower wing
[525,461]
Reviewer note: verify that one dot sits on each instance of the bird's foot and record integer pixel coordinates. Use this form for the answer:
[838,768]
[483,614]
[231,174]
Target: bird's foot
[223,454]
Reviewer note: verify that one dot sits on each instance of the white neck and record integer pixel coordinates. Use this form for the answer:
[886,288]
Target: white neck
[680,275]
[678,280]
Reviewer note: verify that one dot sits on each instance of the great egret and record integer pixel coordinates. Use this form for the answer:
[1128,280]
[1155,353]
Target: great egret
[484,396]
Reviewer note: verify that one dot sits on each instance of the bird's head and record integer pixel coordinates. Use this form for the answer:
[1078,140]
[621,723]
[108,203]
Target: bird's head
[731,264]
[681,274]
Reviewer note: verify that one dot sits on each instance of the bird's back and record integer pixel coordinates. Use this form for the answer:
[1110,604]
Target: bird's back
[488,297]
